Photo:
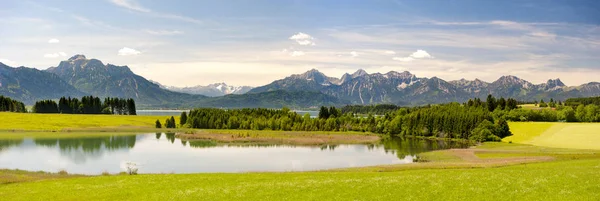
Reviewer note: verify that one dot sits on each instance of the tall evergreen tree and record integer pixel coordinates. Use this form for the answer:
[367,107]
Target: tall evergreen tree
[183,118]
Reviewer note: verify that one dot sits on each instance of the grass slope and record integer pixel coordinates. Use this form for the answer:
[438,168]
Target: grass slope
[560,180]
[58,122]
[561,135]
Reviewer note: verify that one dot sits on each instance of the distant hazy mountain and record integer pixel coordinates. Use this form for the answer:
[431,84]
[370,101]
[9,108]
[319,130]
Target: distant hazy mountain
[272,99]
[212,90]
[30,84]
[91,76]
[402,88]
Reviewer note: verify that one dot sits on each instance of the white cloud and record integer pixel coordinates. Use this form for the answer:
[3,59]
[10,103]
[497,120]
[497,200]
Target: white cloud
[125,51]
[420,54]
[389,52]
[132,5]
[403,58]
[8,62]
[55,55]
[354,54]
[54,40]
[303,39]
[164,32]
[297,53]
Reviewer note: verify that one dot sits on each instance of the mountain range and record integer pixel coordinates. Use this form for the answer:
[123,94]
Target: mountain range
[211,90]
[80,76]
[404,88]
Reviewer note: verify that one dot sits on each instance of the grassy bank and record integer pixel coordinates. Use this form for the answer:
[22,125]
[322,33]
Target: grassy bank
[282,137]
[559,180]
[554,134]
[76,122]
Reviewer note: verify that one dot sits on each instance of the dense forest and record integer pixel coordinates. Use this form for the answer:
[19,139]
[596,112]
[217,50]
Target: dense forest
[87,105]
[473,120]
[380,109]
[574,102]
[9,105]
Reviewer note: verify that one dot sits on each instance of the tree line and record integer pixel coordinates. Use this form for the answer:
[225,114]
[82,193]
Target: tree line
[379,109]
[476,119]
[87,105]
[575,102]
[9,105]
[453,120]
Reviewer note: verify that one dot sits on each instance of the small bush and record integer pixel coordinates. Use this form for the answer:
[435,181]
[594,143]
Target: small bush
[63,172]
[131,168]
[105,173]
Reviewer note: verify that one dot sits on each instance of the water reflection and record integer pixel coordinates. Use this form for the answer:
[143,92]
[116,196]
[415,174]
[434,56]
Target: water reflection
[5,144]
[161,153]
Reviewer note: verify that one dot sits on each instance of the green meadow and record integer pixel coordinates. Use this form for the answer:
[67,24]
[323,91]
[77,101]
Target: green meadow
[543,161]
[67,122]
[560,135]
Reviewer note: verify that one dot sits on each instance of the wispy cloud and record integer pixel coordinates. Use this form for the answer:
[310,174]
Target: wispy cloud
[354,54]
[125,51]
[8,62]
[55,55]
[389,52]
[53,40]
[135,6]
[297,53]
[164,32]
[129,4]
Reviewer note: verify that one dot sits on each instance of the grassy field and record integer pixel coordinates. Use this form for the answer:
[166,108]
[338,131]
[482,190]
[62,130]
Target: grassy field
[65,122]
[559,180]
[540,164]
[562,135]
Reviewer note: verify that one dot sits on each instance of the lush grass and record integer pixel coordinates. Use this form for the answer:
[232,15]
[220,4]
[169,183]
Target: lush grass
[525,131]
[561,135]
[62,122]
[561,180]
[14,176]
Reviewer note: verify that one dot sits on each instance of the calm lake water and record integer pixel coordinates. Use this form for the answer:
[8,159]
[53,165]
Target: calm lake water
[160,112]
[163,153]
[312,114]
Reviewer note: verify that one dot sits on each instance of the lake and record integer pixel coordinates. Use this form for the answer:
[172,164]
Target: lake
[164,153]
[312,113]
[160,112]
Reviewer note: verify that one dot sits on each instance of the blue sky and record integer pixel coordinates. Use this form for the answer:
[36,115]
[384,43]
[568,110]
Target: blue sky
[242,42]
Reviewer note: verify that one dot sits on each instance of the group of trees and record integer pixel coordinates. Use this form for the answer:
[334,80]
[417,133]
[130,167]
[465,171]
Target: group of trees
[575,102]
[45,106]
[448,120]
[551,104]
[380,109]
[87,105]
[491,103]
[9,105]
[581,113]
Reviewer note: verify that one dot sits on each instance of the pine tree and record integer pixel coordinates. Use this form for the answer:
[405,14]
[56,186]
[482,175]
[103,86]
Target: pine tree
[158,125]
[183,118]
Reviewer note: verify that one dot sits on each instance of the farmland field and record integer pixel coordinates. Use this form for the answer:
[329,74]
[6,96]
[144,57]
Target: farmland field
[560,135]
[58,122]
[560,180]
